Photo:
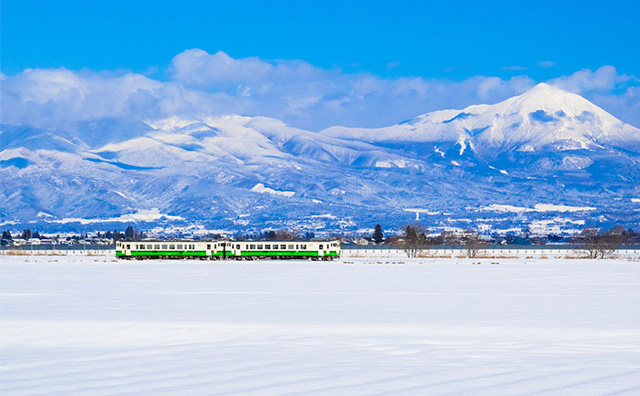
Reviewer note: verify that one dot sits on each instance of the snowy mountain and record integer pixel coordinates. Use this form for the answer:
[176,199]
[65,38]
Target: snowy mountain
[465,167]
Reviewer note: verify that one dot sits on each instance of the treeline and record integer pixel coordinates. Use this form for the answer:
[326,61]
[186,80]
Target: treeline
[594,242]
[28,234]
[276,235]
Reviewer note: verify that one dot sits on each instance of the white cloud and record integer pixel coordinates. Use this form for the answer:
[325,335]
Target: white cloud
[514,68]
[202,84]
[605,78]
[546,64]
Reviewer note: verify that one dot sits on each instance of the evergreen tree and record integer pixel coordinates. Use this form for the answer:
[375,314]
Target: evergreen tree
[130,233]
[378,235]
[7,235]
[26,234]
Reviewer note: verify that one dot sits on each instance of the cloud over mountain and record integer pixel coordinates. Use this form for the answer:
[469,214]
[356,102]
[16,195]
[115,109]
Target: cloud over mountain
[202,84]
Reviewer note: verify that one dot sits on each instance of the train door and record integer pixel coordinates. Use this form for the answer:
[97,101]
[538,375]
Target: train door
[208,251]
[127,250]
[321,247]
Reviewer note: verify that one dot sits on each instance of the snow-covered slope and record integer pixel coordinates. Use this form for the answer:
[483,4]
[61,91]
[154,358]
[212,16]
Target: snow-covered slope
[546,146]
[544,117]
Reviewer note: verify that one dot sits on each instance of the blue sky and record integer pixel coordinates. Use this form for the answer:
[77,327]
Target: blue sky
[518,42]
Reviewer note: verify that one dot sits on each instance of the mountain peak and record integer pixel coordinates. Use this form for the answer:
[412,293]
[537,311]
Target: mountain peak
[549,100]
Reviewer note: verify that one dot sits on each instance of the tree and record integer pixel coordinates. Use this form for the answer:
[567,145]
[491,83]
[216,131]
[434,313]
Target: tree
[6,235]
[472,242]
[598,244]
[117,236]
[26,234]
[130,233]
[378,235]
[414,237]
[287,235]
[612,240]
[588,239]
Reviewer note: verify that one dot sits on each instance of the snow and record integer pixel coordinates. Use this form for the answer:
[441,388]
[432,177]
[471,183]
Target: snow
[541,118]
[260,188]
[91,325]
[537,208]
[122,195]
[462,144]
[561,208]
[212,164]
[141,215]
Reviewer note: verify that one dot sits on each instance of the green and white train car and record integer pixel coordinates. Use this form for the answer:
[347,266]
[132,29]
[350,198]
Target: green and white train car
[225,249]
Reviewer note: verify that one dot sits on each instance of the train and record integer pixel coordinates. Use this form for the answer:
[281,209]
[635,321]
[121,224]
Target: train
[228,249]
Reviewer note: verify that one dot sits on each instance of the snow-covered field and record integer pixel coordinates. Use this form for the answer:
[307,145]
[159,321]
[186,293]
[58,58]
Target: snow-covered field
[93,325]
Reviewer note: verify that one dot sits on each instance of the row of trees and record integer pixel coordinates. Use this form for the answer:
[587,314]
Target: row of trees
[115,235]
[594,242]
[26,234]
[277,235]
[415,237]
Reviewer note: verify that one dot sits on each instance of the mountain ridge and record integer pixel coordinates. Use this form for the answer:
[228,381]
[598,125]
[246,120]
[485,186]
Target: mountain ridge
[546,146]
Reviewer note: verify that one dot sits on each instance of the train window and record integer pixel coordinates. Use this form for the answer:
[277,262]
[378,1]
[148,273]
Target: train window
[320,247]
[297,247]
[156,247]
[252,246]
[149,247]
[192,247]
[180,247]
[290,247]
[164,246]
[283,247]
[246,246]
[172,247]
[303,247]
[267,247]
[128,246]
[141,247]
[275,247]
[208,246]
[259,247]
[238,246]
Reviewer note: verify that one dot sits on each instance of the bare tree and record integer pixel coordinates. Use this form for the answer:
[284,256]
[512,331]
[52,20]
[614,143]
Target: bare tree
[414,237]
[287,235]
[612,240]
[598,244]
[589,240]
[472,242]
